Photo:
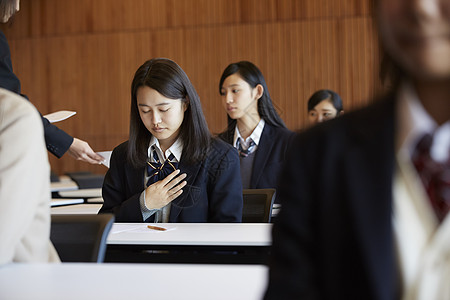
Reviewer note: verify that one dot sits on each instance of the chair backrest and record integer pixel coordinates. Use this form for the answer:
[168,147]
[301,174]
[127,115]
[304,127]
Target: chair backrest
[257,205]
[81,237]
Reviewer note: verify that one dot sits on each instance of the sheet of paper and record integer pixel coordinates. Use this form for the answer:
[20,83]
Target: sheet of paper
[140,228]
[107,156]
[59,115]
[58,202]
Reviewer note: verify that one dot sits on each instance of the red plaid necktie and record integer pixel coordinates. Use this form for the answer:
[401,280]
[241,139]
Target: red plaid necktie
[435,176]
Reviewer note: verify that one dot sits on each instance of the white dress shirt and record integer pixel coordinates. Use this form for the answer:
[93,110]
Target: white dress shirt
[162,214]
[423,245]
[255,136]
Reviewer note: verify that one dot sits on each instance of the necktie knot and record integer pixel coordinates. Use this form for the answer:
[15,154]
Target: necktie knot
[245,152]
[157,170]
[435,176]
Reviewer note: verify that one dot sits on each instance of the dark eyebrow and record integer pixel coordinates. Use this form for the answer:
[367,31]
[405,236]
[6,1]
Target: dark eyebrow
[159,104]
[231,85]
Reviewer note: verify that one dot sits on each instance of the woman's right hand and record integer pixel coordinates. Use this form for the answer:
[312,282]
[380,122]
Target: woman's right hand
[161,193]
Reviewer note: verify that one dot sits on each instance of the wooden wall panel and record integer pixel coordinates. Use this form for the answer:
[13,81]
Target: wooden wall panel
[56,17]
[82,54]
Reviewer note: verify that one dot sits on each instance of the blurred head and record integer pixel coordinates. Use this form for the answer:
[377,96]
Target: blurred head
[324,105]
[8,8]
[165,104]
[416,36]
[244,92]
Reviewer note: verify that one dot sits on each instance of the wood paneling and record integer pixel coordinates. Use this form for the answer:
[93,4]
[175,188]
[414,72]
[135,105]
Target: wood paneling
[82,54]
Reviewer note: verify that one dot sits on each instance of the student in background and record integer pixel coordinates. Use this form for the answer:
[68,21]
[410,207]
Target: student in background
[169,137]
[254,126]
[58,142]
[324,105]
[366,195]
[24,184]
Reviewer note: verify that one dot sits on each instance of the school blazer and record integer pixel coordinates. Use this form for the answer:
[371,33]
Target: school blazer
[333,238]
[57,140]
[269,157]
[213,192]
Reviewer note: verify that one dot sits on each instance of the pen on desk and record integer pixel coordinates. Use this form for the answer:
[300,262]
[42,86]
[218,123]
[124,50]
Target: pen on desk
[156,228]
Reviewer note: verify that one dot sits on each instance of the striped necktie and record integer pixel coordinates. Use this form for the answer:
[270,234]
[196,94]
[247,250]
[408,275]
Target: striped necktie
[245,152]
[157,170]
[435,176]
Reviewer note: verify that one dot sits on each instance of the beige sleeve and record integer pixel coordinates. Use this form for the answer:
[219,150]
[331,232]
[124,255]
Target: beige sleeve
[24,184]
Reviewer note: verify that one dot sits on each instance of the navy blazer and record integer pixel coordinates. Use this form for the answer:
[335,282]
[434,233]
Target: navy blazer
[57,140]
[333,238]
[213,192]
[269,157]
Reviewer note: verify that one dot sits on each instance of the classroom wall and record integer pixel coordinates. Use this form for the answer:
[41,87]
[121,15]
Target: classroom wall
[81,55]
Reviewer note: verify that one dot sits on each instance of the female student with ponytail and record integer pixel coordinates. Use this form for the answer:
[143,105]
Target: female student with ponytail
[254,126]
[171,169]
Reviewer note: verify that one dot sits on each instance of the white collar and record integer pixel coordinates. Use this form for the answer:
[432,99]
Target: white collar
[414,122]
[255,136]
[176,149]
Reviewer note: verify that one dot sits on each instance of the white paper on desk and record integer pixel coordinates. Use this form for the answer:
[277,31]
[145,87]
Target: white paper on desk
[61,201]
[141,228]
[107,156]
[59,115]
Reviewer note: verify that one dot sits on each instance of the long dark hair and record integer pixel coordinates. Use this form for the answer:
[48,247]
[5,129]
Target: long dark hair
[168,79]
[321,95]
[253,76]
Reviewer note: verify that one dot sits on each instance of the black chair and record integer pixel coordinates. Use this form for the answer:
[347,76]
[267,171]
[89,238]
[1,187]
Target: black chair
[257,205]
[87,180]
[81,237]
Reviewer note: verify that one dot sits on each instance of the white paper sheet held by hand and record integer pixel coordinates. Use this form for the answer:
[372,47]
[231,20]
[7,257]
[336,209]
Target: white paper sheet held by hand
[59,115]
[106,155]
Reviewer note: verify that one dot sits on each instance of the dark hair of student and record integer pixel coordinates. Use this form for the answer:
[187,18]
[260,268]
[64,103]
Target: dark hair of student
[321,95]
[168,79]
[253,76]
[390,73]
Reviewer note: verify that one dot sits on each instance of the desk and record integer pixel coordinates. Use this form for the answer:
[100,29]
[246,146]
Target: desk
[82,193]
[247,243]
[77,209]
[63,185]
[131,281]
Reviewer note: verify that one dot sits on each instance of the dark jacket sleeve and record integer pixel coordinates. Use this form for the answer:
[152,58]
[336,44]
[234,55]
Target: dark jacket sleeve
[224,185]
[57,140]
[120,198]
[293,259]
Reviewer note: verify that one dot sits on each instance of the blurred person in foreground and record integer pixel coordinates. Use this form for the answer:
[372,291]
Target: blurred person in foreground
[24,184]
[366,195]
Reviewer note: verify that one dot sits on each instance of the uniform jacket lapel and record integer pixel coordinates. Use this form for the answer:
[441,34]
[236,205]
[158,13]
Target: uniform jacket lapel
[265,146]
[187,198]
